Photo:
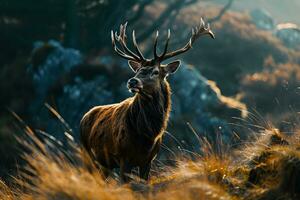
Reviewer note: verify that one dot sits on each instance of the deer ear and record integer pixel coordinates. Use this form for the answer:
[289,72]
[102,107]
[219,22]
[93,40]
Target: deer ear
[134,65]
[172,67]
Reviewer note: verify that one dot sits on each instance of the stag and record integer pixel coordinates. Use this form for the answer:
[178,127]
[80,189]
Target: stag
[129,134]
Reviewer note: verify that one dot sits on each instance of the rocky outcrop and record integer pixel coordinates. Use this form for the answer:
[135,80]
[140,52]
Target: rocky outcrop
[288,33]
[262,19]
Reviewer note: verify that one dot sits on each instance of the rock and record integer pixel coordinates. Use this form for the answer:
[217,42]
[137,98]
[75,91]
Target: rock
[49,62]
[262,19]
[59,61]
[192,95]
[289,34]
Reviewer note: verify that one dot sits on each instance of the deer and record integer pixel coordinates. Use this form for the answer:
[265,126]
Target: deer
[128,134]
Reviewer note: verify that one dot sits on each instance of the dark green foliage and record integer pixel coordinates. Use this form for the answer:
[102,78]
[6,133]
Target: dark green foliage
[83,24]
[75,23]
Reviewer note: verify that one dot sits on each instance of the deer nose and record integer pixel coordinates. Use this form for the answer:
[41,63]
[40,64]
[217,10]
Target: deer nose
[133,82]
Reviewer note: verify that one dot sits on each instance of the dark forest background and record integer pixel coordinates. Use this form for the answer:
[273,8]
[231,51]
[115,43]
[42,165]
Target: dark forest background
[59,52]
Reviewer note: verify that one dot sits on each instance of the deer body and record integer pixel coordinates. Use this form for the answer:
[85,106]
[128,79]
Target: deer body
[129,134]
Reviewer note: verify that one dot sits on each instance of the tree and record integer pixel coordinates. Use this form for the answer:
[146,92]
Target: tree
[84,24]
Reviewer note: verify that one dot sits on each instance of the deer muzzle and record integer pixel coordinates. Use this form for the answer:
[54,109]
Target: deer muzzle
[134,85]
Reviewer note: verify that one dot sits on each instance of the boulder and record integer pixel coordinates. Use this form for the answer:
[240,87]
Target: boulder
[289,34]
[262,19]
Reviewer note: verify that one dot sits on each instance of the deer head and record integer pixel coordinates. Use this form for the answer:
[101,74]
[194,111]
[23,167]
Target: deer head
[149,73]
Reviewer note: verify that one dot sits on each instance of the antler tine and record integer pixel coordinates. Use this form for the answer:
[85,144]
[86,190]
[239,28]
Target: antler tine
[126,52]
[117,50]
[122,40]
[166,45]
[201,30]
[120,32]
[137,46]
[197,32]
[155,46]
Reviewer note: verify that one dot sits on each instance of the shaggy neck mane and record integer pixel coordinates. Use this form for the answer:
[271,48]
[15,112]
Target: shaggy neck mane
[149,113]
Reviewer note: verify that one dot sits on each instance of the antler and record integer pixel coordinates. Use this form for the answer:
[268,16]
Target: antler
[197,32]
[126,52]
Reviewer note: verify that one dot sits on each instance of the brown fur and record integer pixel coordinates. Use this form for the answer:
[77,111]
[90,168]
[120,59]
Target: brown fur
[128,134]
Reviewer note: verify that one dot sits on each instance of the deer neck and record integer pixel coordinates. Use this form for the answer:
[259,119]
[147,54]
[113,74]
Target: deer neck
[149,113]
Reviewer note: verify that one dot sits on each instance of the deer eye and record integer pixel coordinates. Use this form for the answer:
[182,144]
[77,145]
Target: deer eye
[155,73]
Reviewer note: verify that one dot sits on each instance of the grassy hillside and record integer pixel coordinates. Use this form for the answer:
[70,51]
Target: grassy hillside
[268,167]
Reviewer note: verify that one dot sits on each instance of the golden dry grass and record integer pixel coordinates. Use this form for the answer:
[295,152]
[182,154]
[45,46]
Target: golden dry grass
[267,168]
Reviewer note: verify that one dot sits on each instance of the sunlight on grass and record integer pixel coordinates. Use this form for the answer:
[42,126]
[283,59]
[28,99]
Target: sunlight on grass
[263,169]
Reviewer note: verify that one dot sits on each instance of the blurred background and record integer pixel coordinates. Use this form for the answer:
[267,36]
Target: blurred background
[59,52]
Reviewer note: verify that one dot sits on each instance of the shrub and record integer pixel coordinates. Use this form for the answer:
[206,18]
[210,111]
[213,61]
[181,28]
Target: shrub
[275,93]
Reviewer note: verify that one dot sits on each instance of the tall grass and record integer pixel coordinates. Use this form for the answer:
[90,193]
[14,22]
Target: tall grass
[266,168]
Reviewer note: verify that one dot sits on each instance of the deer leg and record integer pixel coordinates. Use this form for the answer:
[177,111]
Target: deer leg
[125,169]
[144,171]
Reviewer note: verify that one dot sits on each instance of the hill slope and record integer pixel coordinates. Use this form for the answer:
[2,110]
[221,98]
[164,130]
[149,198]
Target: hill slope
[267,168]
